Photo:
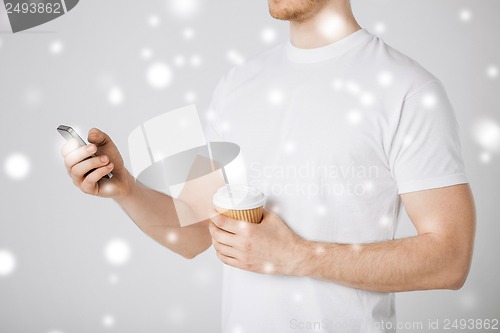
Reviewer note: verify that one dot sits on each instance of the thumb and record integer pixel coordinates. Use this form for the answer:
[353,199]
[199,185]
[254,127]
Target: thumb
[98,137]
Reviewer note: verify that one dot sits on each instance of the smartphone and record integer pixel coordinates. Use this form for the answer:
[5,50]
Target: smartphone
[69,133]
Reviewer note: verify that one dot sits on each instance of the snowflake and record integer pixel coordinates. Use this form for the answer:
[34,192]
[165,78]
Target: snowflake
[337,84]
[353,87]
[289,147]
[429,101]
[146,53]
[354,117]
[485,157]
[379,28]
[184,8]
[330,23]
[408,140]
[188,33]
[17,166]
[154,21]
[108,321]
[196,60]
[172,237]
[465,15]
[225,126]
[7,263]
[367,99]
[179,60]
[385,221]
[276,97]
[159,75]
[356,247]
[56,47]
[297,297]
[492,71]
[369,186]
[268,268]
[115,96]
[268,35]
[117,251]
[321,210]
[486,132]
[235,57]
[385,79]
[319,250]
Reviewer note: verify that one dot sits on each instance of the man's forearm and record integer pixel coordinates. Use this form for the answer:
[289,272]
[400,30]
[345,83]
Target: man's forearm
[156,215]
[415,263]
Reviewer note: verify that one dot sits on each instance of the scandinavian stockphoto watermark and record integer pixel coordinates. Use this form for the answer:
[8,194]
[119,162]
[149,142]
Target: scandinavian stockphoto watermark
[342,325]
[309,179]
[27,14]
[460,324]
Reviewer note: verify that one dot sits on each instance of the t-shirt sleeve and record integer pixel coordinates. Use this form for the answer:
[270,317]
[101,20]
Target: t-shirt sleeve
[425,152]
[212,129]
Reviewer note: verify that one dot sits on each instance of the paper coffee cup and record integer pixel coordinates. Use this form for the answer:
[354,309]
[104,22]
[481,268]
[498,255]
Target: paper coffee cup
[240,202]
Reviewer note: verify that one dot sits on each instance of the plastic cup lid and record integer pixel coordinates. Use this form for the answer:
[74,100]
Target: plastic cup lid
[238,197]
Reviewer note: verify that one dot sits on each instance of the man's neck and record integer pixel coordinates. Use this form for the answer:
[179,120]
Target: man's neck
[330,24]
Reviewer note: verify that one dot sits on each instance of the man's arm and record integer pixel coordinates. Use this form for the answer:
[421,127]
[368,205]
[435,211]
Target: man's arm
[438,257]
[153,212]
[157,216]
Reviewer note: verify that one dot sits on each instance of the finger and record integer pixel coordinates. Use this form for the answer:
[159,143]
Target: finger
[225,250]
[229,224]
[79,155]
[79,170]
[98,137]
[70,146]
[89,184]
[227,260]
[222,236]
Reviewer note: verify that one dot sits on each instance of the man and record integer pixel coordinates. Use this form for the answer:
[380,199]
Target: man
[339,130]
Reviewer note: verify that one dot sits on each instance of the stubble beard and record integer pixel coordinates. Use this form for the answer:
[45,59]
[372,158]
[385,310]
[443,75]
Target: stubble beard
[294,10]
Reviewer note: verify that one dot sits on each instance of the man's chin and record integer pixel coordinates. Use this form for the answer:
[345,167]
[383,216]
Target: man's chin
[289,12]
[283,14]
[279,17]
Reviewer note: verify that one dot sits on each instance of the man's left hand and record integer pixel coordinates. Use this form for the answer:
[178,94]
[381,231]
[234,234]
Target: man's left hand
[269,247]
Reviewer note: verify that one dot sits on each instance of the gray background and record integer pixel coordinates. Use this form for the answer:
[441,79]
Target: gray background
[64,72]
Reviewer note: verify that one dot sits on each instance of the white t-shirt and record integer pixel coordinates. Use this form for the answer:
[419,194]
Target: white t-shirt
[332,135]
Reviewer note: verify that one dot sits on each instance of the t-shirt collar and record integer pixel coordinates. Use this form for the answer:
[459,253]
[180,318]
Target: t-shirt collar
[333,50]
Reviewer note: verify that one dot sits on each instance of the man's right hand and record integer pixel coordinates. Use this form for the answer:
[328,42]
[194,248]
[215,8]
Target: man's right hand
[155,213]
[108,160]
